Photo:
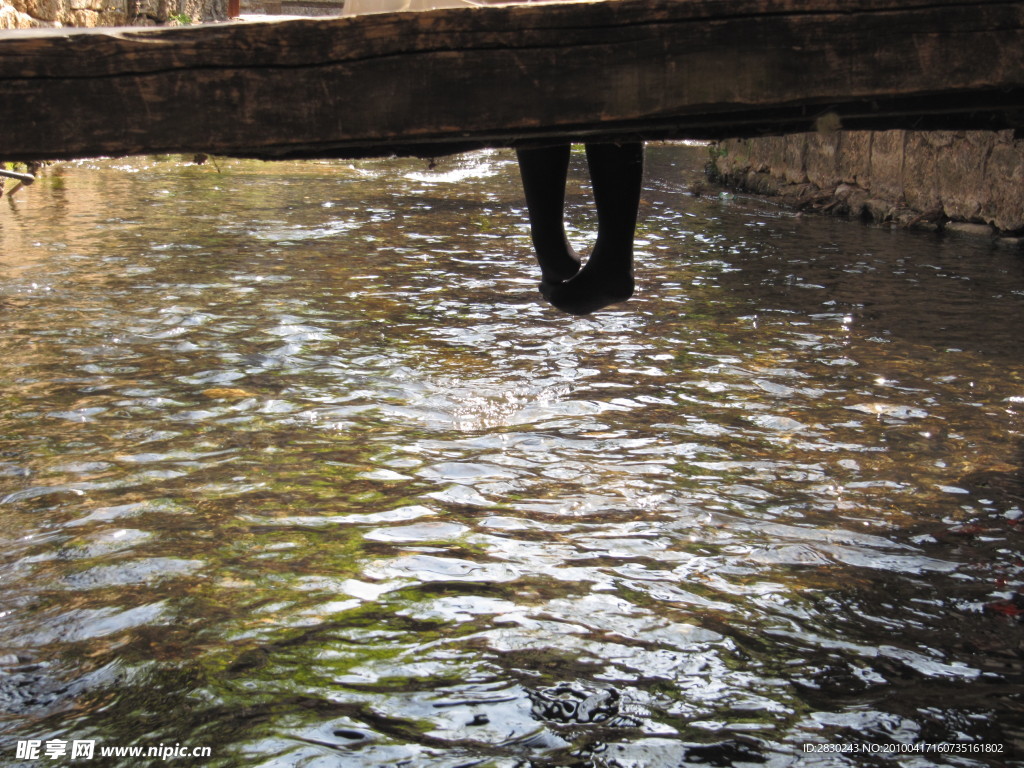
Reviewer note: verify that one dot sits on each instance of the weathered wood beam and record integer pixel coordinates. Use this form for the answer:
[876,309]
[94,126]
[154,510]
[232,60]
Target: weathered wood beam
[441,81]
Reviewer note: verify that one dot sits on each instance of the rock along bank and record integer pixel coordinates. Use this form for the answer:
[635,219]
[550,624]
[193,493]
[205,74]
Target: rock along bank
[961,181]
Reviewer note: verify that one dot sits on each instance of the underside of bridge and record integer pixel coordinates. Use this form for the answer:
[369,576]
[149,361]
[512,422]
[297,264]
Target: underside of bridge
[436,82]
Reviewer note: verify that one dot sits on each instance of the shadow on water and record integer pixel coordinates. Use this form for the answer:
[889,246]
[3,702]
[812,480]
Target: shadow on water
[297,466]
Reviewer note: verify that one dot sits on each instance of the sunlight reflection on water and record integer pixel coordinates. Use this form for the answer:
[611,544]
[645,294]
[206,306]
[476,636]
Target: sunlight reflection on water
[296,463]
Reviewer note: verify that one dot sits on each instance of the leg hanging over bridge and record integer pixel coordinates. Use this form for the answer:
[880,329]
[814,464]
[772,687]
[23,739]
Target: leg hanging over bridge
[616,173]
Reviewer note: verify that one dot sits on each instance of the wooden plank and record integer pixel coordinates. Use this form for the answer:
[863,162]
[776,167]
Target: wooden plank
[439,81]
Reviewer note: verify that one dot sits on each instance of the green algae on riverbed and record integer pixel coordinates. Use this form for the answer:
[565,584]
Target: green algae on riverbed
[296,464]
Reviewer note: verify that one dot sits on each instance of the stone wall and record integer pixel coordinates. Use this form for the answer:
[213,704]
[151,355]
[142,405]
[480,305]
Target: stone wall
[925,178]
[23,14]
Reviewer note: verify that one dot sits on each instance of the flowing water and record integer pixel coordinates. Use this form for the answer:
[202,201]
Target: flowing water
[298,467]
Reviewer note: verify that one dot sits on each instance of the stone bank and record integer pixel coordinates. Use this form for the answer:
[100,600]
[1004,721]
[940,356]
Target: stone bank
[961,180]
[25,14]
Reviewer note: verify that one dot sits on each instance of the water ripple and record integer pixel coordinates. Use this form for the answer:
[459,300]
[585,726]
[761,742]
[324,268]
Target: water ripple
[299,465]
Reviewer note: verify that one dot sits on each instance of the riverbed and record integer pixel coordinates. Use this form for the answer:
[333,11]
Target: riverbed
[298,467]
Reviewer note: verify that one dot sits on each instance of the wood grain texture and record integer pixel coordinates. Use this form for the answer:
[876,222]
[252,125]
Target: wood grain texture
[440,81]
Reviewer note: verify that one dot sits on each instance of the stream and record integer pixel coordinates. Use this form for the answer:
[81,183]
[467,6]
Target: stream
[298,468]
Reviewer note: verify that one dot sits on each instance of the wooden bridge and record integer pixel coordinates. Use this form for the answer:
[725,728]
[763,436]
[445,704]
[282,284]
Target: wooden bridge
[434,82]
